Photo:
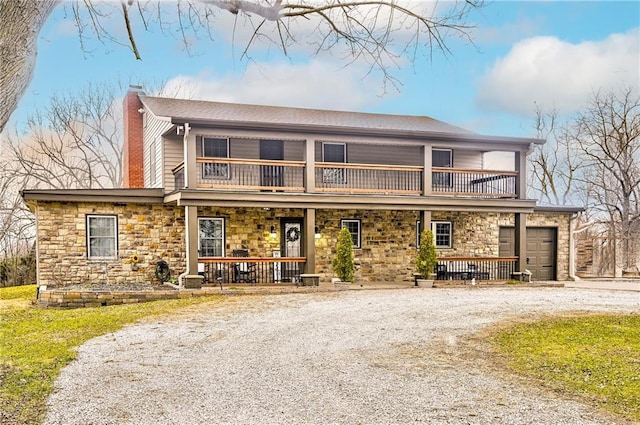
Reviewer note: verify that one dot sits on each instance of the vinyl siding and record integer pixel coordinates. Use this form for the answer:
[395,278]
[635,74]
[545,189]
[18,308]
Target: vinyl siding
[152,150]
[173,155]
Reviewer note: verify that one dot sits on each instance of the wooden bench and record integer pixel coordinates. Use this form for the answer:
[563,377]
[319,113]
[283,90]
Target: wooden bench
[310,279]
[524,276]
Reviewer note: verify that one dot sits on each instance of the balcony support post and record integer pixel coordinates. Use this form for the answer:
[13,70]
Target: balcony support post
[190,279]
[310,166]
[521,179]
[190,170]
[309,240]
[425,220]
[521,240]
[427,177]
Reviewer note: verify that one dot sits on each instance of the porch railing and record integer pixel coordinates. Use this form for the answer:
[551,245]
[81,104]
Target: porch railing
[480,268]
[288,176]
[475,183]
[367,178]
[251,270]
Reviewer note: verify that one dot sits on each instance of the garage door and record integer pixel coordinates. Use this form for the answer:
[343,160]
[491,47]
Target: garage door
[541,250]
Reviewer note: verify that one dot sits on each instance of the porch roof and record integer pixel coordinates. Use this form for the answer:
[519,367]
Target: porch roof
[135,196]
[347,201]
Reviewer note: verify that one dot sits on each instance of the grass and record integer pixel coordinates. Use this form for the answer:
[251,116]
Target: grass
[594,357]
[36,343]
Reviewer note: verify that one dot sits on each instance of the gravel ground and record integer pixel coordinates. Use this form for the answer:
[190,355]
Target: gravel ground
[353,357]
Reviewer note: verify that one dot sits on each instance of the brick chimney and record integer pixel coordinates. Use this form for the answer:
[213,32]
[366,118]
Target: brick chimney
[132,161]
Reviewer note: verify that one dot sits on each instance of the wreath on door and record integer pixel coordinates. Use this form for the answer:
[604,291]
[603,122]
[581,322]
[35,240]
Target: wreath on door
[293,234]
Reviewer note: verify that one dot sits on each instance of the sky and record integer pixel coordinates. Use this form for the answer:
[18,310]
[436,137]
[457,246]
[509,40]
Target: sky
[554,54]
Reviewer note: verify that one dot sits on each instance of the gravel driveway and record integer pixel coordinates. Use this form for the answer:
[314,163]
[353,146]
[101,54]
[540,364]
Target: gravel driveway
[353,357]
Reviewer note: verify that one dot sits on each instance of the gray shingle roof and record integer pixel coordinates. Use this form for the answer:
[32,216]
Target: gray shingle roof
[181,110]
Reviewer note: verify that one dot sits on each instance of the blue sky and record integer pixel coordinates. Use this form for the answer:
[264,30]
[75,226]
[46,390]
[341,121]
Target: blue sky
[553,53]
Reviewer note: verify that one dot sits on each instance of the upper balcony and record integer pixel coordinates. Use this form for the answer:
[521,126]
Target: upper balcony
[229,174]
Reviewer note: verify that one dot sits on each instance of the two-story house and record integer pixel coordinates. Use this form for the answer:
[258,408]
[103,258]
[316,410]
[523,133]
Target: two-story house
[208,182]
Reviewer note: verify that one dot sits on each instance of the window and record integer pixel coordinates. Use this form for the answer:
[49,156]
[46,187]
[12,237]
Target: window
[354,228]
[211,239]
[334,152]
[102,237]
[441,233]
[215,148]
[442,158]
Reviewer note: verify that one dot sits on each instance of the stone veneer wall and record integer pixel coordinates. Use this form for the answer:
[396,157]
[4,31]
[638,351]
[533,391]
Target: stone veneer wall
[153,232]
[157,232]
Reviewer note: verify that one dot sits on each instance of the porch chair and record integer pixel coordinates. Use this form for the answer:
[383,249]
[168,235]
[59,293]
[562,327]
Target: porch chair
[244,271]
[441,272]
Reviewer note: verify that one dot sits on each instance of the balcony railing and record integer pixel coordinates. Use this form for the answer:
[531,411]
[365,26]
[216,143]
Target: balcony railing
[364,178]
[474,183]
[251,270]
[480,268]
[288,176]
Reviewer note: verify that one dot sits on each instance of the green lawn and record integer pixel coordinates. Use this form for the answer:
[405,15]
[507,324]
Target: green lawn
[596,357]
[36,343]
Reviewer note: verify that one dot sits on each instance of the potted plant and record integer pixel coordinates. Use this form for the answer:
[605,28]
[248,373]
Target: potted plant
[426,259]
[342,263]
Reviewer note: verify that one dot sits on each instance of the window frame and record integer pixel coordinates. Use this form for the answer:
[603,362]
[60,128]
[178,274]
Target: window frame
[223,238]
[212,170]
[334,175]
[357,238]
[433,229]
[439,178]
[89,237]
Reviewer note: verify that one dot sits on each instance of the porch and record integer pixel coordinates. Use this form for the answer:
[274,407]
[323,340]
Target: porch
[228,174]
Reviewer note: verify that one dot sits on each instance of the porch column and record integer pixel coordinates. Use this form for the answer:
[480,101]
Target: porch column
[190,153]
[310,166]
[521,179]
[426,174]
[309,240]
[425,220]
[521,240]
[191,279]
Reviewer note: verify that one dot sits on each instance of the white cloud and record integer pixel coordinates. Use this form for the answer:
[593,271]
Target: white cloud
[317,84]
[554,73]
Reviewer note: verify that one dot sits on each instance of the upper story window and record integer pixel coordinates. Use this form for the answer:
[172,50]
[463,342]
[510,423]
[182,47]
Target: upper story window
[211,238]
[442,158]
[354,227]
[334,152]
[102,237]
[215,148]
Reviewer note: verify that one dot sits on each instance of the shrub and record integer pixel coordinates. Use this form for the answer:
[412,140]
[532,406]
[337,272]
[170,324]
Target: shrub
[427,255]
[343,265]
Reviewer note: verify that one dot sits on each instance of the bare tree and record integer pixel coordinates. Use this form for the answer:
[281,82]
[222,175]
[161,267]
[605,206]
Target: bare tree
[74,142]
[607,135]
[378,32]
[553,165]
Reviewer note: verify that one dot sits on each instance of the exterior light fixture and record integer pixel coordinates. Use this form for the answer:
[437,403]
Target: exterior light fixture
[273,232]
[318,235]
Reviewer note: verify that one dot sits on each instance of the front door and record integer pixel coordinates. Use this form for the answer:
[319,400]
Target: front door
[272,175]
[291,246]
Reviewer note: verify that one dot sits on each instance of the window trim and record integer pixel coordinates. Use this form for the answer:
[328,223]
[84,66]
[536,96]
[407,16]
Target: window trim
[215,171]
[434,234]
[224,235]
[334,175]
[357,245]
[91,257]
[439,178]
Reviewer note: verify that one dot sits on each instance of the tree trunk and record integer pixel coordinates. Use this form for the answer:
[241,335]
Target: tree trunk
[22,21]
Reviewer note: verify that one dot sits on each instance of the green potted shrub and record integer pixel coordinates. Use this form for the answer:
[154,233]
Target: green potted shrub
[342,263]
[426,259]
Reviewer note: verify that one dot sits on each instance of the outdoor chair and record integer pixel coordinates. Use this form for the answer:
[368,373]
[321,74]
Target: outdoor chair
[441,272]
[244,272]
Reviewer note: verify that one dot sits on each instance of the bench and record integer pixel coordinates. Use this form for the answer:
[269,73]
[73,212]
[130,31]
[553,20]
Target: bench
[524,276]
[310,279]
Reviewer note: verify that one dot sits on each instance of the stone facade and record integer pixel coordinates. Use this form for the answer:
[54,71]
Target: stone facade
[156,232]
